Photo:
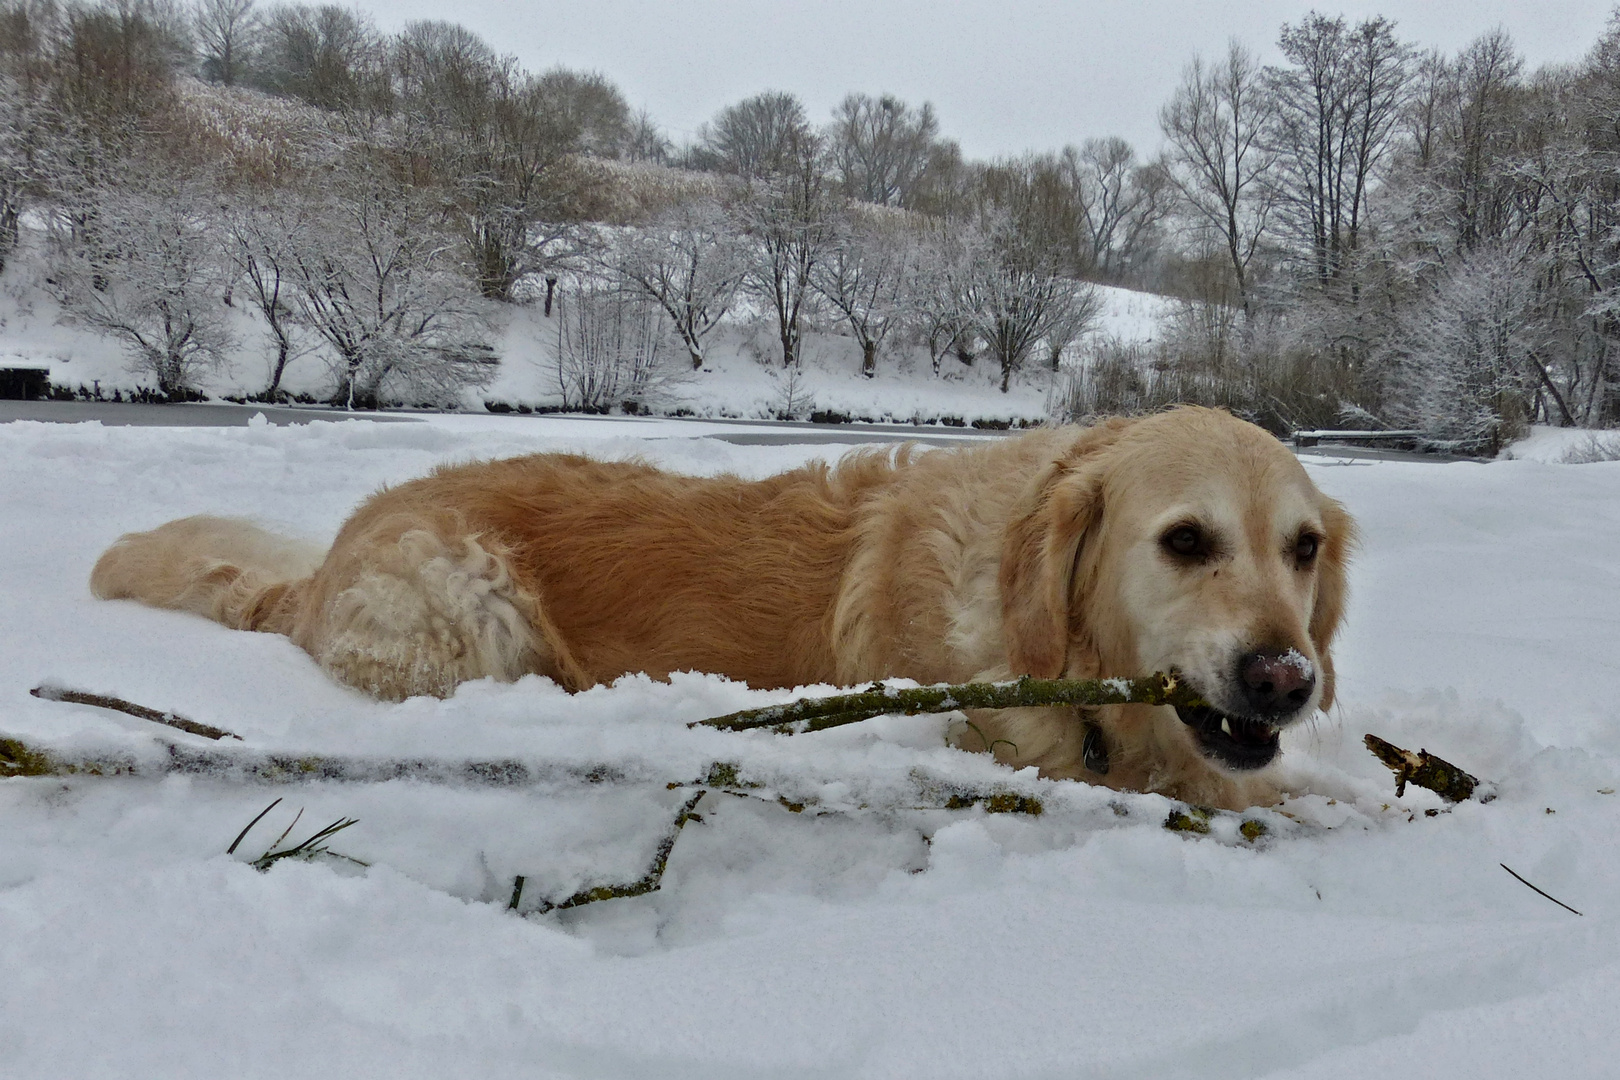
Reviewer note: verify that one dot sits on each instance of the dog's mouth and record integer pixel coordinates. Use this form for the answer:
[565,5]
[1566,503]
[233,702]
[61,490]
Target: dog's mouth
[1235,741]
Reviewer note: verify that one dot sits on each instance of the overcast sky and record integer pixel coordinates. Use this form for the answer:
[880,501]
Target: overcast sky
[1005,75]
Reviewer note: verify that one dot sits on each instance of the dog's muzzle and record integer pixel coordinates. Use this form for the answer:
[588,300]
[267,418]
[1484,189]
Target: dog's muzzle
[1274,686]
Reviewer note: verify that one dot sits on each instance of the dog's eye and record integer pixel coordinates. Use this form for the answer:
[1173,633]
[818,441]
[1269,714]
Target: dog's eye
[1305,548]
[1186,541]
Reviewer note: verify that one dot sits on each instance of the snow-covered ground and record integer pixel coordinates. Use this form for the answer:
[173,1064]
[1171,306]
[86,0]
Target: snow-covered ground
[1361,938]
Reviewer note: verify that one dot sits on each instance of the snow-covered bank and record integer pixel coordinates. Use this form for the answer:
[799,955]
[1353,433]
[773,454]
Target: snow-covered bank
[742,376]
[1084,942]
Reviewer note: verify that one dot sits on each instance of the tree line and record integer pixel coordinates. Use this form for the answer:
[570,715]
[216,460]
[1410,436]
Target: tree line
[1367,233]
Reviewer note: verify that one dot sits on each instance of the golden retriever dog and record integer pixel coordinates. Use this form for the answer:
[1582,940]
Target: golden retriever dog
[1188,540]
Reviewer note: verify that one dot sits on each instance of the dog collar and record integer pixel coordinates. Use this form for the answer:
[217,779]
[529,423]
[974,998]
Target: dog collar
[1094,750]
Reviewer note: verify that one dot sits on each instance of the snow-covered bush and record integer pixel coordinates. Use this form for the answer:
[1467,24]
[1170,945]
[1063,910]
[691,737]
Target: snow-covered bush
[610,346]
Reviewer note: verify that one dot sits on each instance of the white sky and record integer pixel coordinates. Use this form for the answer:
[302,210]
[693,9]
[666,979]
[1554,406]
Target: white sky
[1005,75]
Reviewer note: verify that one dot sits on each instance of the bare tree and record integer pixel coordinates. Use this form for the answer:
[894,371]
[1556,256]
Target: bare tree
[226,31]
[588,108]
[866,276]
[689,262]
[762,136]
[1219,161]
[1122,204]
[788,218]
[645,140]
[1336,110]
[329,56]
[881,147]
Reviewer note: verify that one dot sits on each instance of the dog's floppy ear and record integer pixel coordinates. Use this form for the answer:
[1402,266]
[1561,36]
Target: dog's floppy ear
[1330,588]
[1038,564]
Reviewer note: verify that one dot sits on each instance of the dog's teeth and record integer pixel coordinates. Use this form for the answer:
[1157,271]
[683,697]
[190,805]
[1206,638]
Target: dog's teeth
[1226,728]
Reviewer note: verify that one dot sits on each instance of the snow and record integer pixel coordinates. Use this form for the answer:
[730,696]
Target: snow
[1361,936]
[1574,446]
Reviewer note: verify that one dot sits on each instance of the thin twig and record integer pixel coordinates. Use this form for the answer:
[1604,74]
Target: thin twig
[1521,880]
[243,834]
[816,714]
[47,692]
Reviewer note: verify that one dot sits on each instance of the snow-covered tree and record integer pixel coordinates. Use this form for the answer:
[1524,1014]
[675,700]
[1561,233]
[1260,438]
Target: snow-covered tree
[689,262]
[944,256]
[866,275]
[379,280]
[610,348]
[262,241]
[788,217]
[140,262]
[1460,364]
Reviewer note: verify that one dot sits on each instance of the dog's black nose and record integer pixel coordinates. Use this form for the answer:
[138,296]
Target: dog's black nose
[1276,683]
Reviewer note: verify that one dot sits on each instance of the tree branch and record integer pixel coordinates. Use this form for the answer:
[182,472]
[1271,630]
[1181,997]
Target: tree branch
[816,714]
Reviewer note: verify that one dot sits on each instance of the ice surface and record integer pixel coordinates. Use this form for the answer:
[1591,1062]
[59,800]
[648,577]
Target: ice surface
[1360,938]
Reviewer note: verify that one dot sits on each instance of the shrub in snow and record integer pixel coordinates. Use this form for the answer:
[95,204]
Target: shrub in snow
[610,347]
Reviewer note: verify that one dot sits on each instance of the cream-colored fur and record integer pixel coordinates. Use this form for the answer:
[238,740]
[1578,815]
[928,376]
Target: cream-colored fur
[1040,554]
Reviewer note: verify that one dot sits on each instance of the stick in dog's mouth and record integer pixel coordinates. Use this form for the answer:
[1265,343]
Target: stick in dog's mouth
[1238,742]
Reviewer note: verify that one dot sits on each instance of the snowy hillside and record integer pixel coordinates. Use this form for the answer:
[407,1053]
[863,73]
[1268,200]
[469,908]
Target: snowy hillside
[1361,937]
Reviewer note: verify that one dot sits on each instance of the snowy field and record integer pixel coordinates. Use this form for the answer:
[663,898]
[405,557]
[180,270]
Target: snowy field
[1362,937]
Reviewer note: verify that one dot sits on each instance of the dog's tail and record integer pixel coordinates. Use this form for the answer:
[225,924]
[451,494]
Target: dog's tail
[226,569]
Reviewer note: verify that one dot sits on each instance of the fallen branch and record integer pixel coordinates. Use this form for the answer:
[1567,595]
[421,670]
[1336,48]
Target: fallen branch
[1427,771]
[47,692]
[651,881]
[21,758]
[817,714]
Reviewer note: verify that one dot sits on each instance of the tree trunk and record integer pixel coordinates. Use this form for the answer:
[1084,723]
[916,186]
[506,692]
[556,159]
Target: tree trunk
[551,291]
[869,358]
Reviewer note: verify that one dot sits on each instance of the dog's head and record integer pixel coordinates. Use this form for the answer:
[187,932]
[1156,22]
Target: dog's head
[1189,540]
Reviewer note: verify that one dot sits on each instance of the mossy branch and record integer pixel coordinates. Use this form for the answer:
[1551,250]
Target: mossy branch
[651,881]
[21,758]
[817,714]
[1428,771]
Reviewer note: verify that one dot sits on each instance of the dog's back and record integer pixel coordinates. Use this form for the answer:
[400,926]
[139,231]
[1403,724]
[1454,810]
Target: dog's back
[572,568]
